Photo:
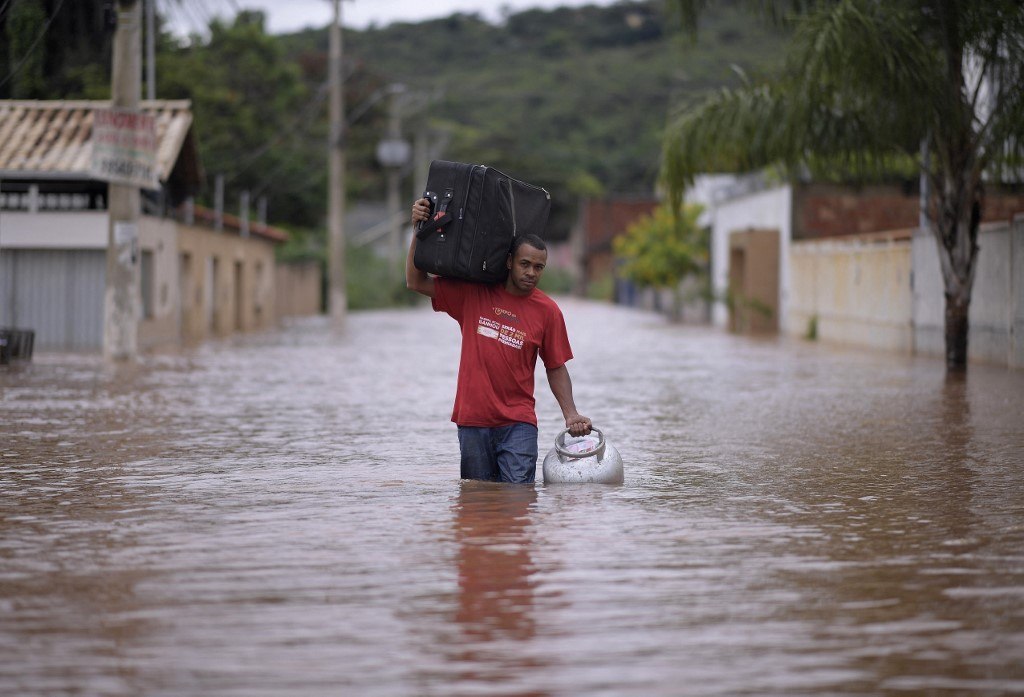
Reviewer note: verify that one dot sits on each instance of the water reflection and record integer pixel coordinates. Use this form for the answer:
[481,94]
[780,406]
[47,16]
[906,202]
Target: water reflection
[495,606]
[492,529]
[953,422]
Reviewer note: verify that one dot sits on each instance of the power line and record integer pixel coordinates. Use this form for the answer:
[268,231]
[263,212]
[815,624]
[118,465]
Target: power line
[203,11]
[28,53]
[286,132]
[187,23]
[293,133]
[3,8]
[194,19]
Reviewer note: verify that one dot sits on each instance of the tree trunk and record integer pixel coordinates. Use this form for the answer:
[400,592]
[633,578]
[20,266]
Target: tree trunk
[957,329]
[958,256]
[956,229]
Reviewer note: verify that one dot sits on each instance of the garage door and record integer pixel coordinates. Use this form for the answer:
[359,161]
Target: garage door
[56,293]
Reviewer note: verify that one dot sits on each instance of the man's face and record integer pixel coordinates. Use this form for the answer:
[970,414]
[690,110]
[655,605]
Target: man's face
[524,269]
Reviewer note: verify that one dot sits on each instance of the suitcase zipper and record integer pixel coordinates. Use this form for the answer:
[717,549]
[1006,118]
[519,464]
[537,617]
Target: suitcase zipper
[465,201]
[469,184]
[512,205]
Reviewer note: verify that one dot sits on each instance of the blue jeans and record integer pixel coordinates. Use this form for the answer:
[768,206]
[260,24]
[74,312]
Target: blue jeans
[499,454]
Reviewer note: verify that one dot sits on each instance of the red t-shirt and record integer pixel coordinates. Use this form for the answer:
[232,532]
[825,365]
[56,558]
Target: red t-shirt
[502,334]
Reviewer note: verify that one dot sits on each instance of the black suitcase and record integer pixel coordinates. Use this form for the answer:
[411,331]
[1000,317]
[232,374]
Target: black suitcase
[477,212]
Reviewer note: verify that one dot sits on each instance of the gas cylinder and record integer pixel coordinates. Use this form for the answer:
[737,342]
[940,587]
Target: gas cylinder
[587,459]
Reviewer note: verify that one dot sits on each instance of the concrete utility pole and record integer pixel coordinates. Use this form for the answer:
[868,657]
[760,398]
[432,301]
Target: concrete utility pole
[151,49]
[218,202]
[243,213]
[261,210]
[394,179]
[122,301]
[394,153]
[337,300]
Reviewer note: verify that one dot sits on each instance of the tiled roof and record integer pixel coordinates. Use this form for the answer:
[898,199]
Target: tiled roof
[207,216]
[54,138]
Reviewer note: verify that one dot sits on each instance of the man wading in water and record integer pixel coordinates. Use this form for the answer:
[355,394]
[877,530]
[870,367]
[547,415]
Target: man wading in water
[504,328]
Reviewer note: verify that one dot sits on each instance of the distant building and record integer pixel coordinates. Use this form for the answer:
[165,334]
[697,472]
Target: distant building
[197,281]
[850,265]
[600,220]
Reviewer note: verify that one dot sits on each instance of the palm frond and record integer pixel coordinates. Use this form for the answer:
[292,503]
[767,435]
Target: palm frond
[731,131]
[858,93]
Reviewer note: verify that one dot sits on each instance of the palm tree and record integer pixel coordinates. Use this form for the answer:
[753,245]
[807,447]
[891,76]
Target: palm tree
[871,86]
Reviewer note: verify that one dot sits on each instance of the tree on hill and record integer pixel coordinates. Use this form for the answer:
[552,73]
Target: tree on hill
[252,114]
[870,86]
[52,48]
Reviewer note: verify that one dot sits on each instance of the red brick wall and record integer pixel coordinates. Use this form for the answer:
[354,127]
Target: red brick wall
[602,219]
[821,210]
[824,210]
[605,218]
[1002,206]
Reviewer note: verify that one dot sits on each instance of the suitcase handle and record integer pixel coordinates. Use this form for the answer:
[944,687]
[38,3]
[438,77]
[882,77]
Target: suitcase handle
[437,224]
[439,220]
[432,200]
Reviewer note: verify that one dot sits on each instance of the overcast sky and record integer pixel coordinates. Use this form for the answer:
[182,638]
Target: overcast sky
[290,15]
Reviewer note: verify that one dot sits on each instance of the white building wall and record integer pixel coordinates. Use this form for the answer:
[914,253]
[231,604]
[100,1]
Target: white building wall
[770,209]
[57,230]
[997,299]
[855,289]
[53,275]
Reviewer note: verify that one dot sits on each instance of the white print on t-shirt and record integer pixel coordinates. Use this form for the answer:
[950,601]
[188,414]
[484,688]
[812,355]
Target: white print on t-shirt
[509,336]
[488,328]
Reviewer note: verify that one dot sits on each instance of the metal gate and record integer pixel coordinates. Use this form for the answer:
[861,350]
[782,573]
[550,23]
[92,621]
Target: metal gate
[56,293]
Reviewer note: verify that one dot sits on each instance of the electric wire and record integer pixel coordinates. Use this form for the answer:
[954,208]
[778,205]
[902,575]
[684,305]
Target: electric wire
[193,20]
[182,20]
[286,132]
[204,13]
[28,54]
[269,177]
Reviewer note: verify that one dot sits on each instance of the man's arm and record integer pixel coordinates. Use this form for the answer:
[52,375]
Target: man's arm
[415,279]
[561,387]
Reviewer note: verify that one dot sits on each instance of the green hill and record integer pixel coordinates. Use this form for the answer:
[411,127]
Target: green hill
[571,99]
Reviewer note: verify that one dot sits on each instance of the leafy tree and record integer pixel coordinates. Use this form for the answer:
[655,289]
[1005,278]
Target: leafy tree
[661,249]
[55,49]
[26,59]
[865,85]
[252,114]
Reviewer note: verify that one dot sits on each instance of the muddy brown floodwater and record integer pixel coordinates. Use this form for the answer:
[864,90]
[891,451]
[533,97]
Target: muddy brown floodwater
[281,514]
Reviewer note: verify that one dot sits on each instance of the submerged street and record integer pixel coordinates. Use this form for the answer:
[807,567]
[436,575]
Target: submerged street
[281,514]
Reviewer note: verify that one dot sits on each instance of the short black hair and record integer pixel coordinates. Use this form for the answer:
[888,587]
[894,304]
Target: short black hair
[530,239]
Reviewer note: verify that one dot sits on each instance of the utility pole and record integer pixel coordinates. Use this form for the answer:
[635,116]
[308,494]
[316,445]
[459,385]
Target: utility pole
[243,213]
[218,202]
[394,179]
[394,153]
[337,300]
[122,301]
[150,49]
[261,210]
